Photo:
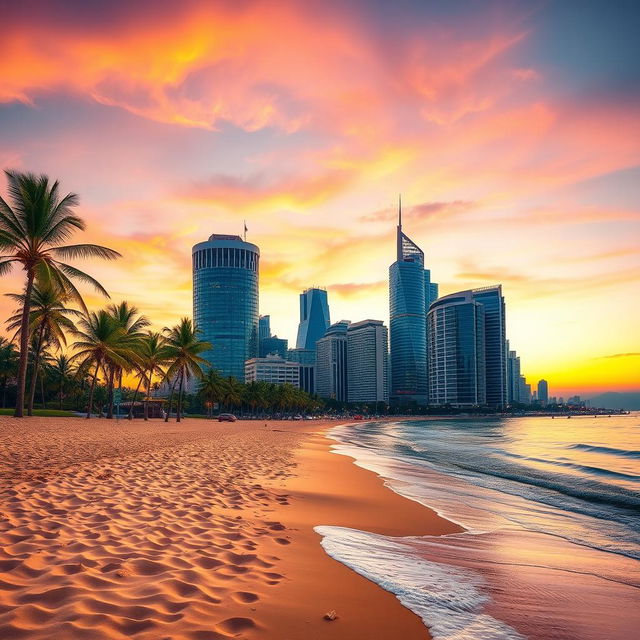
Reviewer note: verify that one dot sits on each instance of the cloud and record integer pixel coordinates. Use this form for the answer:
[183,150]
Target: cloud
[619,355]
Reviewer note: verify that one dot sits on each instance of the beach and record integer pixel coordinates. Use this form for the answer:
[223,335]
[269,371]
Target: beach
[197,531]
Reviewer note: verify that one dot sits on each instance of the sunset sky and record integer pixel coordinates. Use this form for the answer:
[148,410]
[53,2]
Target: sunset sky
[512,130]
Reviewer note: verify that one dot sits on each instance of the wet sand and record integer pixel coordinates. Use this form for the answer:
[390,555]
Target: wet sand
[196,531]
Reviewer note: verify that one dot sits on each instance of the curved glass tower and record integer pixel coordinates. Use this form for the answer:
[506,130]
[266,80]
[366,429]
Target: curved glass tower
[225,301]
[457,362]
[410,293]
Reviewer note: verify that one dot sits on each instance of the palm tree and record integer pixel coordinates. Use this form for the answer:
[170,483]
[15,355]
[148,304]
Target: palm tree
[100,343]
[153,355]
[32,230]
[211,389]
[232,392]
[8,365]
[183,348]
[62,372]
[127,316]
[48,321]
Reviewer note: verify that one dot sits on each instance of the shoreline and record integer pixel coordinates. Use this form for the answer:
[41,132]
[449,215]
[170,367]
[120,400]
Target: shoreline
[330,489]
[192,531]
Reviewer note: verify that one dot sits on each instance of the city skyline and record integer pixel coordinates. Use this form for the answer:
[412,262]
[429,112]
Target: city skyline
[496,126]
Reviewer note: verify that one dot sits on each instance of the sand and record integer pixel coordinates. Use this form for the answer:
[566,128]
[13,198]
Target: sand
[196,531]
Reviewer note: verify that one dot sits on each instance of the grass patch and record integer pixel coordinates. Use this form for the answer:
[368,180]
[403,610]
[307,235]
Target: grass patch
[43,413]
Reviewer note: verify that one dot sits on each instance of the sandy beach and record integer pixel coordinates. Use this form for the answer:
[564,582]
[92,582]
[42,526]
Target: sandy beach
[196,531]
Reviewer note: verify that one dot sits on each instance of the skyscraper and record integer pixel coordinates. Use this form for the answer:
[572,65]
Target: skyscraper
[225,301]
[264,327]
[513,376]
[314,318]
[495,344]
[306,359]
[410,293]
[367,362]
[331,363]
[457,339]
[543,392]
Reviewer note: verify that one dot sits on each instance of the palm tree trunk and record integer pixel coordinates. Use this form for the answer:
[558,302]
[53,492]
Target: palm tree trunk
[180,396]
[112,373]
[44,404]
[135,395]
[34,376]
[173,386]
[60,396]
[93,385]
[146,400]
[24,346]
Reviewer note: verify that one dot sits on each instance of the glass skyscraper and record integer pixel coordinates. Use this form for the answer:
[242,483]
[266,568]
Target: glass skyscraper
[410,293]
[457,365]
[225,301]
[495,344]
[331,362]
[314,318]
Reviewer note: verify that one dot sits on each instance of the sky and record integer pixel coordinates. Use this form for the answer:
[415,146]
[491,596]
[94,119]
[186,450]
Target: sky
[511,128]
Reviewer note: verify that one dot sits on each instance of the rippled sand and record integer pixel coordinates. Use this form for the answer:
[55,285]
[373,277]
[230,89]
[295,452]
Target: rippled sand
[154,530]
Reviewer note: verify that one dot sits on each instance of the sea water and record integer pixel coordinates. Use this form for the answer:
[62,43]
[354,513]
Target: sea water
[551,512]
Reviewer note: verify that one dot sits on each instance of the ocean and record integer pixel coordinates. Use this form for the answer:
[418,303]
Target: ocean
[551,512]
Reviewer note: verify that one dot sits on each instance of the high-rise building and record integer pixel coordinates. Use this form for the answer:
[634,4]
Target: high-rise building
[272,369]
[410,293]
[525,391]
[314,318]
[225,301]
[513,376]
[543,392]
[264,327]
[457,347]
[331,363]
[367,362]
[495,344]
[306,359]
[273,345]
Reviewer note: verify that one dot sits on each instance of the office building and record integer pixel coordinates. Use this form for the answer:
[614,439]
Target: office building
[513,376]
[410,294]
[273,345]
[225,301]
[457,346]
[495,344]
[331,363]
[264,327]
[306,359]
[273,369]
[543,393]
[314,318]
[367,362]
[525,391]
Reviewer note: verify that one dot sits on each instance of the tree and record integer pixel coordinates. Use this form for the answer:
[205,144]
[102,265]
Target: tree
[127,317]
[48,321]
[8,366]
[153,356]
[62,372]
[32,232]
[211,389]
[183,348]
[100,344]
[232,392]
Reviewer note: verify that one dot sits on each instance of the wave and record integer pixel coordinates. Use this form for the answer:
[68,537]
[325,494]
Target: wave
[625,453]
[450,600]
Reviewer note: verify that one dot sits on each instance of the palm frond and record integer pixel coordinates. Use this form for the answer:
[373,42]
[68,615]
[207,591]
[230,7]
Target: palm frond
[86,251]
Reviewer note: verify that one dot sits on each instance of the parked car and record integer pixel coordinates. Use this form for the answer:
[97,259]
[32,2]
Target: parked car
[226,417]
[298,417]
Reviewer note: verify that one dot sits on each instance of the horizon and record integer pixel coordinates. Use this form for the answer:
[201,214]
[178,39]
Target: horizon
[494,123]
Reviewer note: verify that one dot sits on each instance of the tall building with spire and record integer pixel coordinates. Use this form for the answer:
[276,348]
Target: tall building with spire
[410,293]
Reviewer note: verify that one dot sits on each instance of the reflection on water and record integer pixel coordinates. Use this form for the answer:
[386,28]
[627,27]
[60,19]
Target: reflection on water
[551,509]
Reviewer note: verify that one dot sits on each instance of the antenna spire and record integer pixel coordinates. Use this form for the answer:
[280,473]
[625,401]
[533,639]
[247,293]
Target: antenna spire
[399,230]
[400,210]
